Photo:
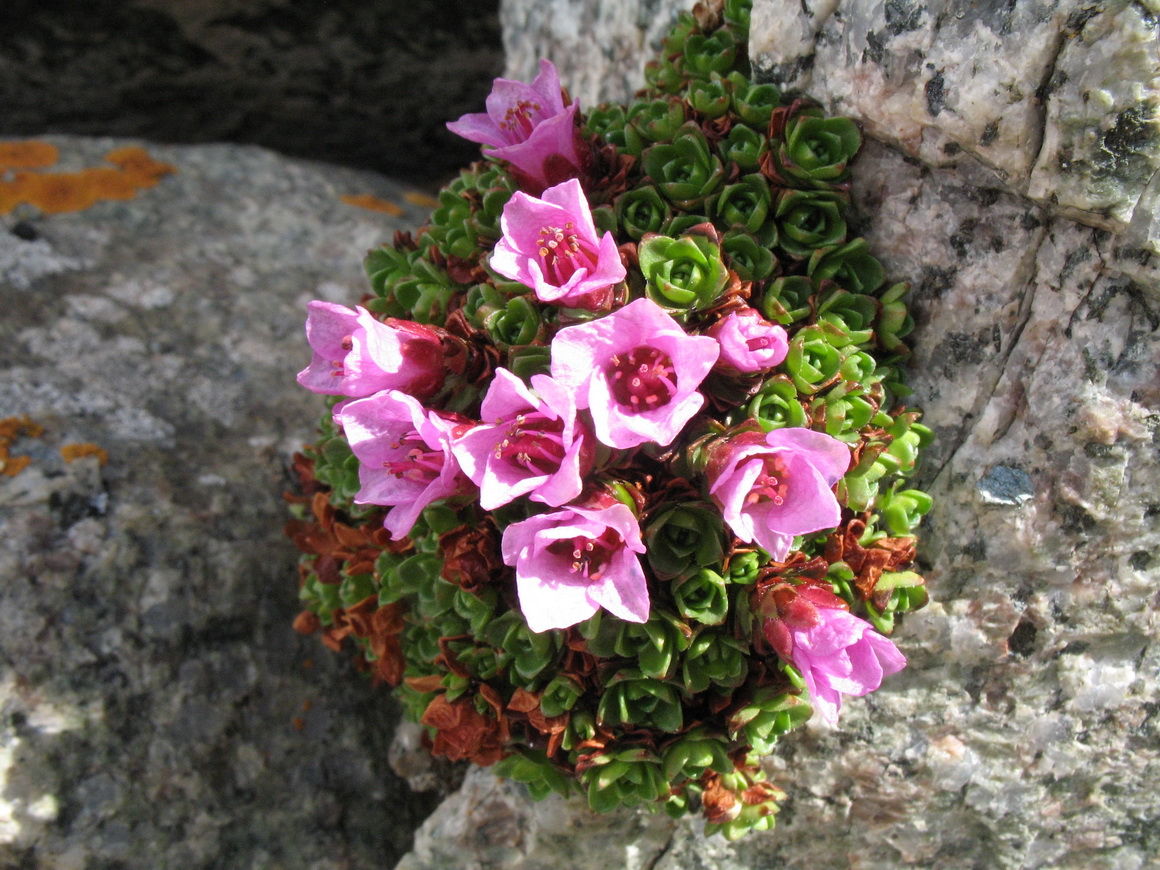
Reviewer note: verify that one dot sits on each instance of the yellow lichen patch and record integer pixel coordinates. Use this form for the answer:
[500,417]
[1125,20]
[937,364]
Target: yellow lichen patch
[61,192]
[373,203]
[73,452]
[423,200]
[12,428]
[28,154]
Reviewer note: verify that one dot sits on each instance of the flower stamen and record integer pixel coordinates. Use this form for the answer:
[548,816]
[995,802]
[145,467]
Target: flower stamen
[644,377]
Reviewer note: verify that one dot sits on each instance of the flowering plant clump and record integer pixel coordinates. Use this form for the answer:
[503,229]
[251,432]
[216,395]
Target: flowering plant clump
[611,487]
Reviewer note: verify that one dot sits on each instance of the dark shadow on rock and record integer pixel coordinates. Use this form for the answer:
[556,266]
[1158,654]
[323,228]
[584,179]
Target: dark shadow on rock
[343,81]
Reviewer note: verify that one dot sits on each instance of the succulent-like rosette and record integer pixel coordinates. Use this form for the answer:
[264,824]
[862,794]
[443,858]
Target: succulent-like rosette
[621,777]
[683,536]
[404,455]
[530,443]
[551,245]
[809,219]
[641,211]
[746,204]
[636,371]
[684,274]
[356,355]
[775,485]
[836,652]
[751,260]
[753,103]
[652,122]
[749,343]
[685,170]
[529,126]
[814,150]
[572,562]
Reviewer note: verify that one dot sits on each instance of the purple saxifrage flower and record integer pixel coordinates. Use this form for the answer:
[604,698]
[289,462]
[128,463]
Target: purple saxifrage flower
[749,343]
[574,561]
[529,126]
[356,355]
[836,652]
[550,245]
[636,371]
[528,444]
[775,485]
[404,455]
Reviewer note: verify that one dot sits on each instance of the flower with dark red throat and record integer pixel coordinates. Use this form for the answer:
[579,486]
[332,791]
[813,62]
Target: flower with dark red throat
[529,126]
[836,652]
[774,485]
[571,562]
[404,455]
[636,371]
[551,245]
[749,343]
[530,443]
[356,355]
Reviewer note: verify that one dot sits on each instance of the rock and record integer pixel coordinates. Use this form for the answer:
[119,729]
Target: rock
[342,81]
[1056,100]
[600,48]
[156,708]
[1024,731]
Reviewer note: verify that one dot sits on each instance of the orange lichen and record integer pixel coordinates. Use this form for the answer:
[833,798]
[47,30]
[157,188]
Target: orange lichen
[136,162]
[10,466]
[111,184]
[372,203]
[73,452]
[28,154]
[61,192]
[56,192]
[12,428]
[423,200]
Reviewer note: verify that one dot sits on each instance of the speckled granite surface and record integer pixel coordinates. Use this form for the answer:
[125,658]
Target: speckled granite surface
[156,709]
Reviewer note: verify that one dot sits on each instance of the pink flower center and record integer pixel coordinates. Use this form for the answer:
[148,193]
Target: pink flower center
[534,442]
[418,462]
[518,118]
[589,556]
[762,343]
[642,379]
[563,252]
[772,484]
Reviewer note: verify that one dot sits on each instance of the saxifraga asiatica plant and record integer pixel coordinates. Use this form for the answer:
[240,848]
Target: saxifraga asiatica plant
[613,482]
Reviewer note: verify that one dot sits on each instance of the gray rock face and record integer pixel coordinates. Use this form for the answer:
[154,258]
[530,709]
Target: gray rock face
[345,81]
[156,709]
[1009,174]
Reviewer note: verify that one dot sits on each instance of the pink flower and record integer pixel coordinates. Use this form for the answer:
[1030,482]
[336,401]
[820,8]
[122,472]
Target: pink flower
[404,456]
[836,652]
[636,371]
[749,343]
[551,245]
[533,445]
[775,485]
[529,126]
[572,562]
[356,355]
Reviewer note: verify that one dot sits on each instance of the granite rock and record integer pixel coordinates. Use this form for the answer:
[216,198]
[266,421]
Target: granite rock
[1024,732]
[156,708]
